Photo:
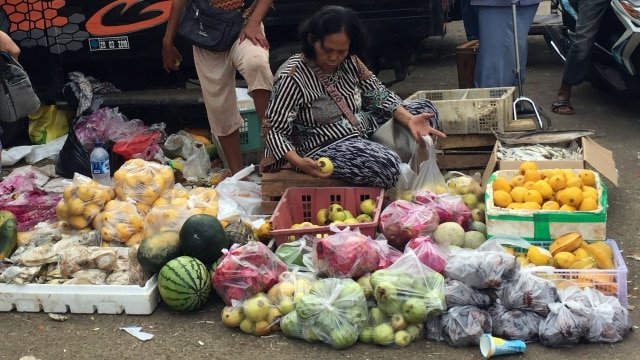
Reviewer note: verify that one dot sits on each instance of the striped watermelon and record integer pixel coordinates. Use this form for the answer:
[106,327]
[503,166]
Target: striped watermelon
[184,283]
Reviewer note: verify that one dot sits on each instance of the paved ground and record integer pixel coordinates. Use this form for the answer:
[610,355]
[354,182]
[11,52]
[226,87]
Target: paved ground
[201,335]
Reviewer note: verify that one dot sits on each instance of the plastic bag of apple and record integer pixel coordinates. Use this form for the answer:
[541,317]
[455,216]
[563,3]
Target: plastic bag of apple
[245,270]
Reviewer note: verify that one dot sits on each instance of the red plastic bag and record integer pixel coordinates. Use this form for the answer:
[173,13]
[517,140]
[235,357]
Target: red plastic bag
[428,252]
[346,253]
[403,220]
[246,270]
[450,207]
[137,145]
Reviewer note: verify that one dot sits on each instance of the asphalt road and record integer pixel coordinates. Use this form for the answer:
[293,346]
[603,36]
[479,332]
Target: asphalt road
[201,335]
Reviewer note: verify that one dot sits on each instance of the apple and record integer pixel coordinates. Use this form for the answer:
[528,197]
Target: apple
[402,339]
[326,166]
[368,207]
[364,218]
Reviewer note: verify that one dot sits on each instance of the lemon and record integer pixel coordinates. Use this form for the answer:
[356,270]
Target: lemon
[78,222]
[550,205]
[90,211]
[533,196]
[573,196]
[539,256]
[543,188]
[568,173]
[106,234]
[501,198]
[67,194]
[514,206]
[134,239]
[588,191]
[76,206]
[588,204]
[160,202]
[567,207]
[178,202]
[517,180]
[97,221]
[557,182]
[529,185]
[530,205]
[574,182]
[101,197]
[532,175]
[588,177]
[85,192]
[517,193]
[62,211]
[526,166]
[500,183]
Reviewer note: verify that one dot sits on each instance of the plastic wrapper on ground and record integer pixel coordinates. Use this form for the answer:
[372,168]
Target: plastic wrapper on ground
[459,326]
[403,220]
[481,269]
[514,324]
[246,270]
[458,293]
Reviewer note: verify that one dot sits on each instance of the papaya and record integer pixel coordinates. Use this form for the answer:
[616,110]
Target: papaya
[601,251]
[8,234]
[566,243]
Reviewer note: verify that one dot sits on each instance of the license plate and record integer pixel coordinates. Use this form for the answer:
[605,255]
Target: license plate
[109,43]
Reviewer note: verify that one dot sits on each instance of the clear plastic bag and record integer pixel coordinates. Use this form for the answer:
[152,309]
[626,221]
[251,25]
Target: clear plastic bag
[528,292]
[410,288]
[387,253]
[246,270]
[292,252]
[381,329]
[345,253]
[256,315]
[403,185]
[119,222]
[449,207]
[610,320]
[568,320]
[514,324]
[459,326]
[431,254]
[429,176]
[334,310]
[142,182]
[198,165]
[247,194]
[403,220]
[458,293]
[481,269]
[82,201]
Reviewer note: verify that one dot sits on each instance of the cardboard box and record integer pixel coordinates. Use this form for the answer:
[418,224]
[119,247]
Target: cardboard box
[595,155]
[542,225]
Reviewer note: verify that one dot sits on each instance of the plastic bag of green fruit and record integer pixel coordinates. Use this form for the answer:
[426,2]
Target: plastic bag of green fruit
[385,330]
[410,288]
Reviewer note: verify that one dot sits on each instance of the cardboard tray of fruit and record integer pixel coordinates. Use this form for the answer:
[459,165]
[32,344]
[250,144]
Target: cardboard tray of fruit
[310,210]
[541,223]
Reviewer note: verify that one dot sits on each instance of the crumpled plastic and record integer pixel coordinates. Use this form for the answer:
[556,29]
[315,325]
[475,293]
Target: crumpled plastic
[431,254]
[514,324]
[459,326]
[481,269]
[528,292]
[568,320]
[458,293]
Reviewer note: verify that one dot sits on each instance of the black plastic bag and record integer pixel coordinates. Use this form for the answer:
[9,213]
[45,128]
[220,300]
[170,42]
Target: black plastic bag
[514,324]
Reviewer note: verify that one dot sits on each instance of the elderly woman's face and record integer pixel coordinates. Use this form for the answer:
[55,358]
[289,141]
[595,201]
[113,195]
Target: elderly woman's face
[331,51]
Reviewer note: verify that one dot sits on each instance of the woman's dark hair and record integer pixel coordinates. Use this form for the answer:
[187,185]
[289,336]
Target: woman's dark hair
[332,20]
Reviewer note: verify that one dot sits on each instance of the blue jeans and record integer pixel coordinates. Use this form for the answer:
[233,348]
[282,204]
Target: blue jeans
[496,62]
[578,58]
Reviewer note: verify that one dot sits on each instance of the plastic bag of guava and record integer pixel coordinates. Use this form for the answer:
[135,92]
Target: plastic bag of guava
[291,287]
[334,312]
[410,288]
[459,326]
[403,220]
[514,324]
[292,252]
[568,320]
[481,269]
[458,293]
[610,321]
[345,253]
[246,270]
[382,329]
[431,254]
[527,292]
[256,315]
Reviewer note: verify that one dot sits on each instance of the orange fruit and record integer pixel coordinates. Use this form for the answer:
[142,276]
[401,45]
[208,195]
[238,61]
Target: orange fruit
[502,198]
[526,166]
[588,191]
[574,182]
[543,188]
[517,180]
[514,206]
[517,193]
[533,196]
[568,173]
[566,207]
[557,182]
[530,205]
[550,205]
[573,196]
[529,185]
[588,204]
[500,183]
[588,177]
[532,175]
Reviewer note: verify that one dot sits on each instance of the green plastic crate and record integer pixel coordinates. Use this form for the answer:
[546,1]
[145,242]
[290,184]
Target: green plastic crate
[250,139]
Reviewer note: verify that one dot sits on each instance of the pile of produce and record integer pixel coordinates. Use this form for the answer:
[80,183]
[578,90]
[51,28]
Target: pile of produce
[82,201]
[142,182]
[346,253]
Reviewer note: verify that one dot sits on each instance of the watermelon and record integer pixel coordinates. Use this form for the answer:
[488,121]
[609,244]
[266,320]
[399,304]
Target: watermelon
[184,284]
[158,249]
[203,237]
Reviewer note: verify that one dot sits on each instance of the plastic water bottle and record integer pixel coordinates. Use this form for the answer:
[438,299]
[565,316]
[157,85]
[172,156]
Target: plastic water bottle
[100,170]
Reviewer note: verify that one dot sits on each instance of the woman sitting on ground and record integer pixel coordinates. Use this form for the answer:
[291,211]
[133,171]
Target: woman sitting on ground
[303,121]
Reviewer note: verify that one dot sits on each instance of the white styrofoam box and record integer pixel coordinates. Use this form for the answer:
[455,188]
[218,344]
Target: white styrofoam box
[81,299]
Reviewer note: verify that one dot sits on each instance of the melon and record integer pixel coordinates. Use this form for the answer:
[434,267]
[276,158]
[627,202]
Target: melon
[203,237]
[449,233]
[158,249]
[184,284]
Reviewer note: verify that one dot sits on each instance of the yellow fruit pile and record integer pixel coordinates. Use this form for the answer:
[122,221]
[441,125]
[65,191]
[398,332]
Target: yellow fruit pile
[570,251]
[171,210]
[82,201]
[549,189]
[143,182]
[119,222]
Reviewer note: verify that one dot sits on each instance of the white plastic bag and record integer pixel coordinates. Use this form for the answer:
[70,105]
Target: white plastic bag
[429,176]
[197,165]
[247,194]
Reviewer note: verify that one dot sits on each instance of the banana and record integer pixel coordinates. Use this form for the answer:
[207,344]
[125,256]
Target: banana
[584,263]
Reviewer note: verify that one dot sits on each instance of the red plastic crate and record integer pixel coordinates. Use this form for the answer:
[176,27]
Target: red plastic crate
[300,204]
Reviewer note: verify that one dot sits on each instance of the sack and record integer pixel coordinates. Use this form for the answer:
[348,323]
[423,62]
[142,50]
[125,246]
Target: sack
[48,123]
[208,27]
[17,98]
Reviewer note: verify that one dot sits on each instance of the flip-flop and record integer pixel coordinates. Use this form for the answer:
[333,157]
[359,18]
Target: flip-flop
[562,107]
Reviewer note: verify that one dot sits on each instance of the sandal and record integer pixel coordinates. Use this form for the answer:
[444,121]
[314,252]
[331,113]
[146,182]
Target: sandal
[562,107]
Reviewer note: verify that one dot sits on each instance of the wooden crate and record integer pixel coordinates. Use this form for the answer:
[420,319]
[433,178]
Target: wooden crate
[274,184]
[466,63]
[464,151]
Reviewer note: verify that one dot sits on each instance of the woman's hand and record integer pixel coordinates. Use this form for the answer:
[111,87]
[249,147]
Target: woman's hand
[311,167]
[171,57]
[254,34]
[419,127]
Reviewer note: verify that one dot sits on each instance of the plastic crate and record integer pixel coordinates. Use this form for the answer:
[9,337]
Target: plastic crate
[250,139]
[471,111]
[300,204]
[608,281]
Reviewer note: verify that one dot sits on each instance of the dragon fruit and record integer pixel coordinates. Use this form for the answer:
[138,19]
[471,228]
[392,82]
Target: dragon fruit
[346,254]
[428,252]
[450,207]
[403,220]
